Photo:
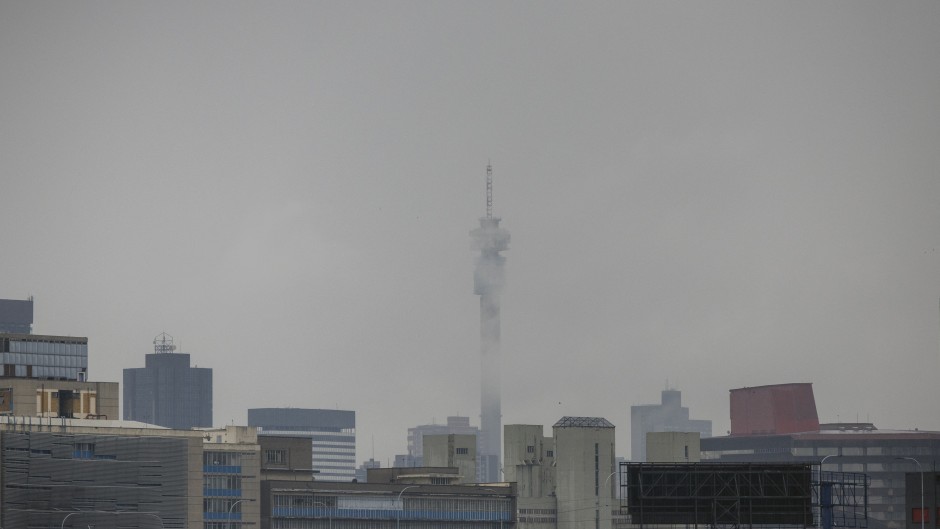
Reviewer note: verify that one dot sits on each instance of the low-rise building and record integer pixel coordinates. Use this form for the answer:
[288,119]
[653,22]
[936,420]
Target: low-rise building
[317,504]
[453,450]
[564,481]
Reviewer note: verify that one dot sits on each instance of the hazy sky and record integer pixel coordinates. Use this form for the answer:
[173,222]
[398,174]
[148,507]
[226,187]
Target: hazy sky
[715,194]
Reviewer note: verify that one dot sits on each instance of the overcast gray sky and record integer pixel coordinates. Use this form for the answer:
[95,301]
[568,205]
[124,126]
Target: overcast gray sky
[710,193]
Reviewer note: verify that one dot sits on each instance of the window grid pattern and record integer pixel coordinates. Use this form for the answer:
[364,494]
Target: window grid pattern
[436,508]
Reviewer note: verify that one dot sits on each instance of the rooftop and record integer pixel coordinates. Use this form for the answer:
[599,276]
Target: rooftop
[583,422]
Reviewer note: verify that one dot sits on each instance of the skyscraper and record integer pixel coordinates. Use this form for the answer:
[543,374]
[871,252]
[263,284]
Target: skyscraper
[488,280]
[168,392]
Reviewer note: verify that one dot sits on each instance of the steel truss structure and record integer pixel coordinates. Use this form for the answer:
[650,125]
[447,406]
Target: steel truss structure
[736,495]
[842,498]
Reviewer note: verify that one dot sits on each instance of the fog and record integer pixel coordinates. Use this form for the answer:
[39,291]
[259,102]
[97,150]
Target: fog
[719,194]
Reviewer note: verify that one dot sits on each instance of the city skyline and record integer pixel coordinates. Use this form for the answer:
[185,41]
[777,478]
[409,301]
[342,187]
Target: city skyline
[721,195]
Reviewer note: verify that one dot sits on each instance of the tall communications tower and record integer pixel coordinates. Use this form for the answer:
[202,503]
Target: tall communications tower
[488,280]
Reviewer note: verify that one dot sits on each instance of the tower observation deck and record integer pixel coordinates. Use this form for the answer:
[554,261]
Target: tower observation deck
[488,280]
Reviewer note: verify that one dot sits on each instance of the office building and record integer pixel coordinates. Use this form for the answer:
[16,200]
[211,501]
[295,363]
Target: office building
[46,376]
[668,416]
[332,435]
[46,357]
[16,316]
[168,391]
[565,481]
[886,456]
[96,473]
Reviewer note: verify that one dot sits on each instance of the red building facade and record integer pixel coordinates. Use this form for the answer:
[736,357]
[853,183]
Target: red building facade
[776,409]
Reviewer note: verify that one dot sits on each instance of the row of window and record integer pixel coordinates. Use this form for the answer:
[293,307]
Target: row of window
[845,451]
[348,450]
[218,458]
[70,373]
[43,347]
[342,445]
[300,523]
[222,482]
[36,359]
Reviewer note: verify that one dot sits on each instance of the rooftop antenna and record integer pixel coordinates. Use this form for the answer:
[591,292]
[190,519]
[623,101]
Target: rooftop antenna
[163,343]
[489,190]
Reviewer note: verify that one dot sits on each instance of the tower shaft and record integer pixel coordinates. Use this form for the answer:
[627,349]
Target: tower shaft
[488,282]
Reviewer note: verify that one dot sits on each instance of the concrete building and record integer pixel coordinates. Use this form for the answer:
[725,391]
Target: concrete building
[668,416]
[673,447]
[453,450]
[285,458]
[565,481]
[16,316]
[458,425]
[109,474]
[231,478]
[332,435]
[168,391]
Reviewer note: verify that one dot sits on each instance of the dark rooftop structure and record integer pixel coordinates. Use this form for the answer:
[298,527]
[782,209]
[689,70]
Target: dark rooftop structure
[583,422]
[16,316]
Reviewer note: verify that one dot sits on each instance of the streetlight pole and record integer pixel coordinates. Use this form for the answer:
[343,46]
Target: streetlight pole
[825,495]
[62,525]
[231,507]
[402,509]
[329,515]
[116,513]
[607,497]
[921,469]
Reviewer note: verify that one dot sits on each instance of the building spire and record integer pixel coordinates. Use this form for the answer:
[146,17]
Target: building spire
[489,190]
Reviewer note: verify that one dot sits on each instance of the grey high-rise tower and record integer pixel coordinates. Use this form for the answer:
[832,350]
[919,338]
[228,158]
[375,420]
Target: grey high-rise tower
[168,392]
[488,281]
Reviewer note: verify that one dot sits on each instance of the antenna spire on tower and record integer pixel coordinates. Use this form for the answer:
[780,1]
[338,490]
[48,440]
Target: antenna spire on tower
[489,190]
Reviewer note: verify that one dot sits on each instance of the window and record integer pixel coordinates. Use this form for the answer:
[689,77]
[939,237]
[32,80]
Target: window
[83,451]
[530,449]
[550,453]
[275,457]
[462,451]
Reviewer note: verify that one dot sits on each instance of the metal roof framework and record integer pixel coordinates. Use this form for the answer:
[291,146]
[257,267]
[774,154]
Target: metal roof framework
[583,422]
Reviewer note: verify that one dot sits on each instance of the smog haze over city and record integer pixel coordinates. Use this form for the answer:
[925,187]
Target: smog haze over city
[708,195]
